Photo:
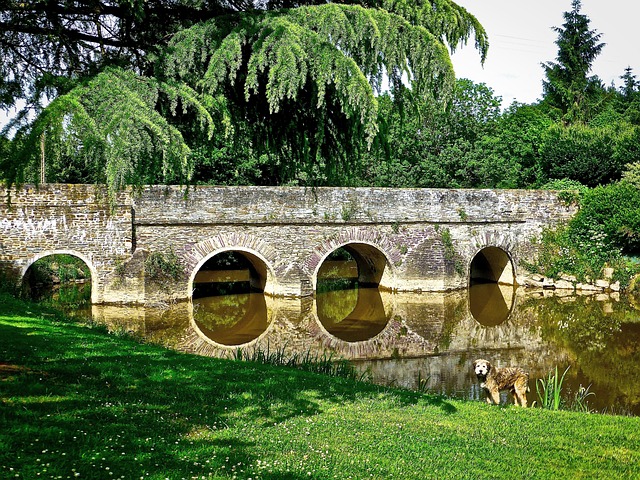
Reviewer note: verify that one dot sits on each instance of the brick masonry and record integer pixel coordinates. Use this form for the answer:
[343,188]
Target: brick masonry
[401,235]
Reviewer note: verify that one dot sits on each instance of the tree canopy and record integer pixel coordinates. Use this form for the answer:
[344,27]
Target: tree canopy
[138,89]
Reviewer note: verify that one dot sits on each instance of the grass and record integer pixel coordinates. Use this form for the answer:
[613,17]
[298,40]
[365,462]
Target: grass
[79,402]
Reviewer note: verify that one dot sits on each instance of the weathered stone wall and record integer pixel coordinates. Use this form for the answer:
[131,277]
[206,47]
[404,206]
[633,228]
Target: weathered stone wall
[422,239]
[75,219]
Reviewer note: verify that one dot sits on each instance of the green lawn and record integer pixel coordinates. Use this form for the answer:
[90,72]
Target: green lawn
[76,401]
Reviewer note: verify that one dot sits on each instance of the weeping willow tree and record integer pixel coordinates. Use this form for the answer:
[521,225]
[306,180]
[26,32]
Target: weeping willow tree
[294,81]
[110,130]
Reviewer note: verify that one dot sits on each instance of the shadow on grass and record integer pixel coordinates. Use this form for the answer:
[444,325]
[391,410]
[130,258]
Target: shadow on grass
[81,401]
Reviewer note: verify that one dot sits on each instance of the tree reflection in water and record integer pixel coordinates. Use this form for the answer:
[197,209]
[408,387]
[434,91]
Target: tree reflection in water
[233,319]
[352,315]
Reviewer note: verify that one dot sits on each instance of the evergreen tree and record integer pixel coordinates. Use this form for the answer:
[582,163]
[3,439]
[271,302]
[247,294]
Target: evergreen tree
[568,86]
[630,86]
[139,85]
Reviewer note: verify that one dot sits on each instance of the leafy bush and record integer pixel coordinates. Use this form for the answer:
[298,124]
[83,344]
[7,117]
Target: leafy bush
[606,227]
[591,155]
[631,174]
[570,190]
[612,211]
[64,267]
[163,266]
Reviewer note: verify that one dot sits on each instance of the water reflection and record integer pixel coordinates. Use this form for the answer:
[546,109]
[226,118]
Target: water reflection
[490,303]
[233,319]
[74,298]
[352,315]
[429,338]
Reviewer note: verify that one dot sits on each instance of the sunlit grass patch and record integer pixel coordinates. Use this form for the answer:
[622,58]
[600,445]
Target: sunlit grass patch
[129,410]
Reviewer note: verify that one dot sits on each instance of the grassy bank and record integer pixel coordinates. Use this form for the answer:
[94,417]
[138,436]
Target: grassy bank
[78,402]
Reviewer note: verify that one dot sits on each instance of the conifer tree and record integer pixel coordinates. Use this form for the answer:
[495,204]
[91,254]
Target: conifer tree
[630,85]
[568,86]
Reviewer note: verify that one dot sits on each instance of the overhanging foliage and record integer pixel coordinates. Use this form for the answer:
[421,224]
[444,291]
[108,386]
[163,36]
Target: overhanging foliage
[300,81]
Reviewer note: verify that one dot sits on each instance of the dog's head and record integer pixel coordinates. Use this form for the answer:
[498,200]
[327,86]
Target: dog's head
[482,367]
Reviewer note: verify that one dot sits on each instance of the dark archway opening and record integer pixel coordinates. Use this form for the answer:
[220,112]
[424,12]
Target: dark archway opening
[353,264]
[230,272]
[491,286]
[491,265]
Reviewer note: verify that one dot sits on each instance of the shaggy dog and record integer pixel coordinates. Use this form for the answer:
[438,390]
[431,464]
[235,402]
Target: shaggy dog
[494,379]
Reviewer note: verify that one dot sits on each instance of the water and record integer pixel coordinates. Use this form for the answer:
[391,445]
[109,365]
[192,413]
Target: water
[419,341]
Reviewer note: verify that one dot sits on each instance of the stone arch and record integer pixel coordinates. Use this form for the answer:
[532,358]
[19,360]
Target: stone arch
[375,257]
[81,256]
[498,249]
[492,265]
[492,282]
[256,251]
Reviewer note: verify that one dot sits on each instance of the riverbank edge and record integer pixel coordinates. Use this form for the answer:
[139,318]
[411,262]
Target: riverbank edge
[77,400]
[570,282]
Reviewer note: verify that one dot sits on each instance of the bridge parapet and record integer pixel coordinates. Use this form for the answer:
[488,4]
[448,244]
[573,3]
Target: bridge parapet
[160,205]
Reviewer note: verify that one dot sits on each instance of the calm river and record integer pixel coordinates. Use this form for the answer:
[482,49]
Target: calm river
[419,341]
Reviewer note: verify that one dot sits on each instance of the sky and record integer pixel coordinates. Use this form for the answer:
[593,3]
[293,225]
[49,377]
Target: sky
[521,37]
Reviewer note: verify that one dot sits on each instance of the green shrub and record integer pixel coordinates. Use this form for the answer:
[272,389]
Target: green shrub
[63,266]
[606,227]
[612,211]
[163,266]
[570,190]
[631,174]
[593,155]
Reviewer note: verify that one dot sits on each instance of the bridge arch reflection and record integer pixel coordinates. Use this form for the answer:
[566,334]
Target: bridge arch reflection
[348,302]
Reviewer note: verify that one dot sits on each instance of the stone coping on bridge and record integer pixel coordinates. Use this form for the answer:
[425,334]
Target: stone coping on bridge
[156,205]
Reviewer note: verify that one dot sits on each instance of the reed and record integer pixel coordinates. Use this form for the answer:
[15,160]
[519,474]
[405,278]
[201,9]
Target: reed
[580,403]
[307,361]
[549,390]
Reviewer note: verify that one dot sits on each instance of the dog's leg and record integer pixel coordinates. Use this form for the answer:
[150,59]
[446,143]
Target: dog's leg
[520,389]
[523,397]
[495,396]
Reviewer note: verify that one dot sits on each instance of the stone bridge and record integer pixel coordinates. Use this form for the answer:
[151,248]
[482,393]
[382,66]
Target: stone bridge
[401,239]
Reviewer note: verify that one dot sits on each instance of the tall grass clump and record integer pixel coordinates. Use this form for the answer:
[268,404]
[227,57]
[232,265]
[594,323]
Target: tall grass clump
[309,362]
[549,390]
[550,397]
